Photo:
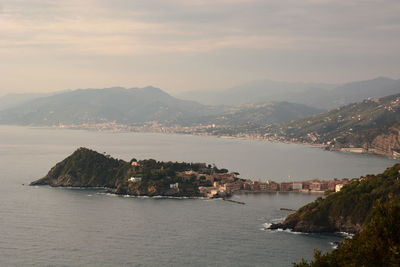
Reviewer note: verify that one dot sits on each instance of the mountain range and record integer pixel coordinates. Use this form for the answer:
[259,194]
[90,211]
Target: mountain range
[323,96]
[140,105]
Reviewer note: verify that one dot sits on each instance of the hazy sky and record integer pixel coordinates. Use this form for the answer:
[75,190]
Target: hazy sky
[181,45]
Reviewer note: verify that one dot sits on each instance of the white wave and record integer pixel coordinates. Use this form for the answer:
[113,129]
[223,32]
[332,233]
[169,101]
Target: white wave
[267,225]
[346,235]
[277,220]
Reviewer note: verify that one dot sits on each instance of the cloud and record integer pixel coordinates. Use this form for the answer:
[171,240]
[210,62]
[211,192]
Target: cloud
[191,31]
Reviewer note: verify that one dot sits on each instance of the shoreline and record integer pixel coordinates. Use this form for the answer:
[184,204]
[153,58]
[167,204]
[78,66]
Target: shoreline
[170,130]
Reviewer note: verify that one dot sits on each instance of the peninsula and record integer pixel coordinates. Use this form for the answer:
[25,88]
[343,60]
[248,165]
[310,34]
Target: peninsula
[88,168]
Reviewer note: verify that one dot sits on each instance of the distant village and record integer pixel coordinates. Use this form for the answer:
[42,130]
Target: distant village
[227,183]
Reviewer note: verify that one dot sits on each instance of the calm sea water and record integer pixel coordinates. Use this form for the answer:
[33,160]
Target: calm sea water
[43,226]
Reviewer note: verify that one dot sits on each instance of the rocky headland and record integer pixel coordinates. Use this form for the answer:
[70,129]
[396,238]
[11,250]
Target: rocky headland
[348,210]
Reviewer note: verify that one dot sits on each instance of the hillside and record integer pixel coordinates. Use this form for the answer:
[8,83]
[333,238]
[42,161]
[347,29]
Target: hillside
[371,126]
[377,245]
[348,210]
[88,168]
[323,96]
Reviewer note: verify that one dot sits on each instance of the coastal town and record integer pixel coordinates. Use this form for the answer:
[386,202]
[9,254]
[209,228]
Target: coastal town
[228,132]
[227,184]
[224,184]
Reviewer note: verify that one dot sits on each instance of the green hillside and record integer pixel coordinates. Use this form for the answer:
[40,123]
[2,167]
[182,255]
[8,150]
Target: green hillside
[348,210]
[377,245]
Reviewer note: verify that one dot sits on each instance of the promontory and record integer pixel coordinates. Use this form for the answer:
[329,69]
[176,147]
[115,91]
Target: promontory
[88,168]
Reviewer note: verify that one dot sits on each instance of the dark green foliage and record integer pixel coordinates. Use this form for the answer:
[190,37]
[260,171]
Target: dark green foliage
[87,168]
[348,210]
[377,245]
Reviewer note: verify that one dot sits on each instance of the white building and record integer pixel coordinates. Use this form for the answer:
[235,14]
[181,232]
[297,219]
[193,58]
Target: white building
[174,186]
[135,179]
[338,187]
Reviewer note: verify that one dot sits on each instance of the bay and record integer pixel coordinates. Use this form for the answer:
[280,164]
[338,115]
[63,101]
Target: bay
[43,226]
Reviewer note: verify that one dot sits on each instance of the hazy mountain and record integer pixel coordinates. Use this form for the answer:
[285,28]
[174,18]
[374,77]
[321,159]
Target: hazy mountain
[260,114]
[12,100]
[118,104]
[350,93]
[139,105]
[317,95]
[253,92]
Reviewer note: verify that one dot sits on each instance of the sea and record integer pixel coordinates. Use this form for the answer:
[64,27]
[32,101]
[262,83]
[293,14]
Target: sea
[44,226]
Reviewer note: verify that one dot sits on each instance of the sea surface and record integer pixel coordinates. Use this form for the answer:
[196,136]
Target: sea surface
[43,226]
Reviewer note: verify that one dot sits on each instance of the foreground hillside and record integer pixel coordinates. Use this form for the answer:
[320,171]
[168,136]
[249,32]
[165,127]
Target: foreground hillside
[348,210]
[370,126]
[377,245]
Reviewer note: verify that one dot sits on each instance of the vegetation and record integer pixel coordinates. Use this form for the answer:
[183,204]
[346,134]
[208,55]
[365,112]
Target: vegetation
[348,210]
[88,168]
[377,245]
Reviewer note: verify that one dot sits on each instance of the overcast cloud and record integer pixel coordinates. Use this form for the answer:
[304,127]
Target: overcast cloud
[183,45]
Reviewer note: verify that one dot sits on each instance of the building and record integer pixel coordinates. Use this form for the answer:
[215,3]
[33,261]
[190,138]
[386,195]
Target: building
[286,186]
[211,192]
[135,179]
[297,186]
[396,154]
[232,187]
[269,186]
[174,186]
[315,186]
[338,187]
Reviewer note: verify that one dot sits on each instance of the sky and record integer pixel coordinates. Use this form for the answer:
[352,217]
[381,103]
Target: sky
[185,45]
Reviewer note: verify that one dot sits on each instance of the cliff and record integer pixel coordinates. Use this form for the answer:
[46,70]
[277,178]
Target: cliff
[347,210]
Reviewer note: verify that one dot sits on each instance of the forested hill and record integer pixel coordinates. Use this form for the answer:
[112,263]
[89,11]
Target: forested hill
[88,168]
[377,245]
[373,125]
[348,210]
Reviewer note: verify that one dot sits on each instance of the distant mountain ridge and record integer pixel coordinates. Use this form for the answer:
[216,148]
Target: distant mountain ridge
[259,114]
[134,105]
[12,100]
[142,105]
[324,96]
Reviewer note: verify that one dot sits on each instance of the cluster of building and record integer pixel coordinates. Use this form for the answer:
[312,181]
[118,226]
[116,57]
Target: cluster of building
[226,184]
[222,184]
